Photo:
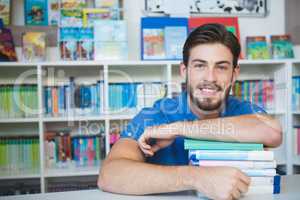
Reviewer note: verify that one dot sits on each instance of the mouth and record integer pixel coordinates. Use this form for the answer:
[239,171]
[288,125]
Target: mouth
[208,90]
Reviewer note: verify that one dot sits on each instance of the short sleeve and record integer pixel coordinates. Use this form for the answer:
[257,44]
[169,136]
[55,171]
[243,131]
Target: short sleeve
[147,117]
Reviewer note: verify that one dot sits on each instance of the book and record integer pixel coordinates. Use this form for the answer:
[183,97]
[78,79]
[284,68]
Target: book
[92,14]
[73,4]
[34,46]
[7,46]
[36,12]
[259,172]
[257,47]
[281,46]
[230,155]
[110,31]
[175,37]
[85,44]
[71,18]
[53,12]
[111,50]
[238,164]
[218,145]
[5,11]
[107,3]
[268,180]
[153,44]
[68,43]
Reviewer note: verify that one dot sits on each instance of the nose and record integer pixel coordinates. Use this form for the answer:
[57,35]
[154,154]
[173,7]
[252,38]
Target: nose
[210,75]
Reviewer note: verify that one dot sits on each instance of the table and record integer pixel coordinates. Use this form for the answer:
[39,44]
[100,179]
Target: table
[290,190]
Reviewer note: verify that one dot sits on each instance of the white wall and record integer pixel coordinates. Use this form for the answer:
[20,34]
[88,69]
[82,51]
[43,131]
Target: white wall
[274,23]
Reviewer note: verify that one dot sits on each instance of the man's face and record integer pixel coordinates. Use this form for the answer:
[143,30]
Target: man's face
[210,75]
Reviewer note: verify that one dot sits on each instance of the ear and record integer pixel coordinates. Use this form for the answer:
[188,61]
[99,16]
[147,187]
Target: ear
[235,74]
[183,71]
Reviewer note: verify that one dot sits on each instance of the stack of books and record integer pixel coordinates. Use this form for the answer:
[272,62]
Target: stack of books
[250,158]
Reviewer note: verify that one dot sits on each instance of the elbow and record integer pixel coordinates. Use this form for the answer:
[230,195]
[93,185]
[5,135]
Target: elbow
[103,182]
[274,138]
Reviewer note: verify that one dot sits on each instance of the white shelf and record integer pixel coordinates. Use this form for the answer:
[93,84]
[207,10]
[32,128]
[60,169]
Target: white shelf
[296,160]
[276,112]
[19,176]
[19,120]
[74,118]
[296,112]
[64,172]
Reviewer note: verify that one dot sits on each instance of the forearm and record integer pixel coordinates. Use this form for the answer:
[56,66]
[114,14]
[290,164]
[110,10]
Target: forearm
[138,178]
[245,128]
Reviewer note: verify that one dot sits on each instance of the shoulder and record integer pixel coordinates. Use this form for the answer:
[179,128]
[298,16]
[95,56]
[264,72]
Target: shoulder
[235,106]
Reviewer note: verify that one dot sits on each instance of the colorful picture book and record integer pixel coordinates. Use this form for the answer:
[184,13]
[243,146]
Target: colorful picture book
[282,46]
[36,12]
[92,14]
[34,46]
[53,12]
[257,48]
[110,38]
[163,38]
[71,18]
[73,4]
[7,47]
[107,4]
[5,11]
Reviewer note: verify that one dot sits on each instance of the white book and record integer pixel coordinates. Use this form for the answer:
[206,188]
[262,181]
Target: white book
[238,164]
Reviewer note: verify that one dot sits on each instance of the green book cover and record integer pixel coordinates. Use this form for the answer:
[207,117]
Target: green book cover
[191,144]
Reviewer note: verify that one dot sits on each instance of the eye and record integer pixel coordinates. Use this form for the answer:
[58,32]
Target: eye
[222,67]
[199,65]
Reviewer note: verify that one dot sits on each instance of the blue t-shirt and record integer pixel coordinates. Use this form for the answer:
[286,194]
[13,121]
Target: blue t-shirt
[167,110]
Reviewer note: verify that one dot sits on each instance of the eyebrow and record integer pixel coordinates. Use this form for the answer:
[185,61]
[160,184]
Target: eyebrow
[218,63]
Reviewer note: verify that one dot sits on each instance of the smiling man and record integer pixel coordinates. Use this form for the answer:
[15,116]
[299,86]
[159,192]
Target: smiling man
[150,156]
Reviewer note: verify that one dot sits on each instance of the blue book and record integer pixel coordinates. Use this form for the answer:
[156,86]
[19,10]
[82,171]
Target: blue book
[36,12]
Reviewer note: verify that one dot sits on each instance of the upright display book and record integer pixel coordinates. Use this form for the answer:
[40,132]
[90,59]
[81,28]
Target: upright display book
[107,3]
[257,48]
[36,12]
[92,14]
[5,11]
[85,44]
[282,46]
[71,18]
[68,43]
[53,12]
[73,4]
[7,47]
[34,46]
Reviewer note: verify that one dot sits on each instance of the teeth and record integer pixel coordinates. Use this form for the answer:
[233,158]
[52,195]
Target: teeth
[208,90]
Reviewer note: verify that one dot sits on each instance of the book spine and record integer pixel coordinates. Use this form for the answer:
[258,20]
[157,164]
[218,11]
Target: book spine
[260,172]
[257,181]
[231,155]
[238,164]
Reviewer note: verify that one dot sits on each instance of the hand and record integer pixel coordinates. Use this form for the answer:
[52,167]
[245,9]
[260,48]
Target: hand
[221,183]
[164,136]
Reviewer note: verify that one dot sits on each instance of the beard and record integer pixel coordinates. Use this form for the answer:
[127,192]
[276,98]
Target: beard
[206,103]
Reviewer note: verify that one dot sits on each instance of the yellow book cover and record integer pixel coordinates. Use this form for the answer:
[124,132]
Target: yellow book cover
[34,46]
[92,14]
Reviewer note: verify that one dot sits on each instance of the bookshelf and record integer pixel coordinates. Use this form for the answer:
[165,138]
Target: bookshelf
[86,72]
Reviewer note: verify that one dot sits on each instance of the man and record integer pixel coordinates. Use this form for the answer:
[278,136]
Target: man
[150,158]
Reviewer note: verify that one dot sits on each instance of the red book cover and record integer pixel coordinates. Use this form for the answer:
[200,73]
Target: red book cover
[231,24]
[7,47]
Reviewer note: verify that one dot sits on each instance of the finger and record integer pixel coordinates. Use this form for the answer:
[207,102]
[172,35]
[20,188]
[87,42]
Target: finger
[155,148]
[142,142]
[242,187]
[147,152]
[246,179]
[235,194]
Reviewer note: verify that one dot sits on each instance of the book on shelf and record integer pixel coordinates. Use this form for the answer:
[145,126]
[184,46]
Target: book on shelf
[19,154]
[18,101]
[68,43]
[162,37]
[85,44]
[281,46]
[296,93]
[66,150]
[73,4]
[257,48]
[36,12]
[5,11]
[34,46]
[259,92]
[74,100]
[71,18]
[296,140]
[92,14]
[110,37]
[7,46]
[113,4]
[53,12]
